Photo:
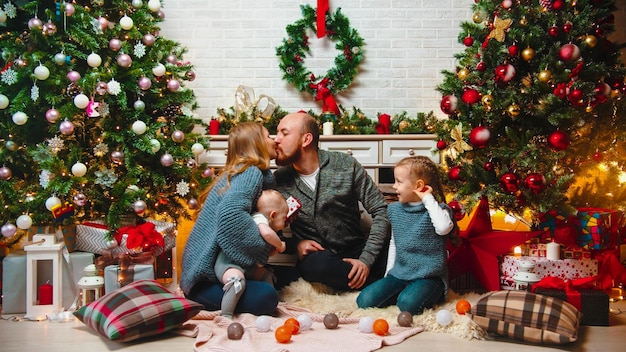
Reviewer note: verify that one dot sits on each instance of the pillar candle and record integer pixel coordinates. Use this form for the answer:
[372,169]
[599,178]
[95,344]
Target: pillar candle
[45,294]
[553,251]
[214,126]
[327,128]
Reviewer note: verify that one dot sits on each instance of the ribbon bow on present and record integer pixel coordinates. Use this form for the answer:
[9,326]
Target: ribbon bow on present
[570,287]
[245,103]
[143,236]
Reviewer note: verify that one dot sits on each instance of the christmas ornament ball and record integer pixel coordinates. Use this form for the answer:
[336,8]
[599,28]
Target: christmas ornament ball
[148,39]
[66,127]
[263,323]
[449,104]
[487,100]
[457,209]
[5,173]
[208,172]
[591,41]
[190,75]
[480,136]
[94,60]
[441,144]
[528,54]
[405,319]
[115,44]
[235,331]
[463,306]
[139,127]
[102,88]
[117,156]
[154,5]
[8,230]
[126,23]
[178,136]
[139,105]
[366,325]
[173,85]
[41,72]
[544,76]
[24,222]
[514,110]
[112,243]
[454,174]
[81,101]
[144,83]
[139,207]
[535,182]
[124,60]
[403,125]
[79,169]
[159,70]
[569,52]
[470,96]
[558,140]
[155,145]
[193,204]
[52,203]
[73,76]
[4,101]
[197,149]
[10,145]
[19,118]
[444,318]
[468,41]
[137,4]
[80,199]
[463,74]
[35,23]
[167,160]
[509,182]
[504,73]
[49,28]
[331,321]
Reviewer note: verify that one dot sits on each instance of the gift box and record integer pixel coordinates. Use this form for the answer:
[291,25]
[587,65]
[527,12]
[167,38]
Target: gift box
[116,276]
[14,279]
[563,268]
[594,304]
[66,233]
[597,228]
[94,237]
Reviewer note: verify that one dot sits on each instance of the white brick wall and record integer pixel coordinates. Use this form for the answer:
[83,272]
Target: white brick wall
[233,42]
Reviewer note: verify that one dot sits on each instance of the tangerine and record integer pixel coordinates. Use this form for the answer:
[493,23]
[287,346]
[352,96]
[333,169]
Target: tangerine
[463,306]
[283,334]
[380,327]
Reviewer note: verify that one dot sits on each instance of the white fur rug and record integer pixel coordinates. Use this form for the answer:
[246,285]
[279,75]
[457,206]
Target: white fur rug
[319,299]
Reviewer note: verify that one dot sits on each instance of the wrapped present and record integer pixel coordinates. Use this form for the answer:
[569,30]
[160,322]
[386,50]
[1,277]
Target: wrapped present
[592,303]
[597,228]
[66,233]
[116,276]
[563,268]
[507,283]
[152,236]
[14,279]
[576,253]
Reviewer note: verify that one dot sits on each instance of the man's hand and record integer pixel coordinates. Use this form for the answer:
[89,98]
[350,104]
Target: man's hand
[358,274]
[308,246]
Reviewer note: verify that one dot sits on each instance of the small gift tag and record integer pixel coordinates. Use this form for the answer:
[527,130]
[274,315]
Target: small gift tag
[294,205]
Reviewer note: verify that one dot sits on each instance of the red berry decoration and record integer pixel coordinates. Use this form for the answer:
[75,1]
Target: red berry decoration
[468,41]
[457,209]
[558,140]
[509,182]
[441,144]
[479,136]
[535,182]
[449,104]
[504,73]
[569,52]
[454,173]
[470,96]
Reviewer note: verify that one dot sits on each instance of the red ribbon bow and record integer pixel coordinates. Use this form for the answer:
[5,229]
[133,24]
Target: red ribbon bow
[571,287]
[322,8]
[143,235]
[322,92]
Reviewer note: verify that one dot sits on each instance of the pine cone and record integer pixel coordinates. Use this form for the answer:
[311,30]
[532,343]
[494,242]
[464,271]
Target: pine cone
[171,111]
[73,90]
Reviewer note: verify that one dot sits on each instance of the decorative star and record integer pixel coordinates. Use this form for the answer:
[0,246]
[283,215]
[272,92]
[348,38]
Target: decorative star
[459,145]
[481,246]
[499,29]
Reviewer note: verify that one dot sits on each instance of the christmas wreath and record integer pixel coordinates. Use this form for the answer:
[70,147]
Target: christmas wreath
[295,47]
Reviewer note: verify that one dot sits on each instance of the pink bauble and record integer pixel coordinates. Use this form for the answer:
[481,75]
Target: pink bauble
[558,140]
[66,127]
[49,28]
[124,60]
[178,136]
[102,88]
[5,173]
[173,85]
[171,58]
[449,104]
[144,83]
[104,23]
[115,44]
[8,230]
[69,9]
[117,156]
[80,199]
[162,14]
[208,172]
[73,76]
[190,75]
[480,136]
[470,96]
[504,73]
[35,23]
[52,115]
[193,204]
[569,52]
[148,39]
[167,160]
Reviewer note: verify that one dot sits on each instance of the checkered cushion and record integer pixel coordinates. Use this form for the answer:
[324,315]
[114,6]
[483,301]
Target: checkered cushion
[527,316]
[142,308]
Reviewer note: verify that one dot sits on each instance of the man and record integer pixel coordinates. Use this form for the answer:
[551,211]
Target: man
[332,248]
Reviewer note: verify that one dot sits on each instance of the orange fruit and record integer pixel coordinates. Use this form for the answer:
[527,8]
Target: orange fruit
[463,306]
[380,327]
[283,334]
[294,324]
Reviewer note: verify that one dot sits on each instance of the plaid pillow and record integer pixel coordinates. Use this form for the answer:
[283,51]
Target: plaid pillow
[527,316]
[142,308]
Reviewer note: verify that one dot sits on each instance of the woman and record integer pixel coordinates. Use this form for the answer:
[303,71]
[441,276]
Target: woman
[225,223]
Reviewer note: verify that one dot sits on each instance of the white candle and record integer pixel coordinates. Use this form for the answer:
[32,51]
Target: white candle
[327,128]
[517,251]
[553,251]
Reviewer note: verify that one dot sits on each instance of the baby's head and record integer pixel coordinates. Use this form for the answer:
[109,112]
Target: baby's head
[273,205]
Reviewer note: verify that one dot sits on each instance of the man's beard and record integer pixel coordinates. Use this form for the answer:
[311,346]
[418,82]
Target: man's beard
[284,160]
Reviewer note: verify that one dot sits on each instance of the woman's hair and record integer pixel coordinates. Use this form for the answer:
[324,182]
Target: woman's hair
[421,167]
[247,146]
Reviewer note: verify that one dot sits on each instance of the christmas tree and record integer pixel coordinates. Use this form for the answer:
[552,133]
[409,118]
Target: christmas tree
[96,121]
[536,109]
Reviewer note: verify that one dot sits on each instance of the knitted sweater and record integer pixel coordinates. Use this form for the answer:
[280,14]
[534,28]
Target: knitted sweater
[330,215]
[421,252]
[225,222]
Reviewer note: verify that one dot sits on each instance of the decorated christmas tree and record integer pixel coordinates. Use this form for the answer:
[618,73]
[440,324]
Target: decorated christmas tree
[96,121]
[536,109]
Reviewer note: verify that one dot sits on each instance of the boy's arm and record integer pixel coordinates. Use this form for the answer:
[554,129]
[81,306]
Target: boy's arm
[267,233]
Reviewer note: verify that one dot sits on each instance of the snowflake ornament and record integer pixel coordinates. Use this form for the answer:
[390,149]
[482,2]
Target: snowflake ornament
[34,92]
[100,149]
[186,110]
[105,177]
[44,178]
[55,144]
[9,77]
[140,50]
[182,188]
[114,87]
[10,10]
[104,109]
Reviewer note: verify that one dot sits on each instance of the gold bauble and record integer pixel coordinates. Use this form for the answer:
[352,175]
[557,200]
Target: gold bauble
[477,18]
[591,41]
[528,54]
[523,21]
[545,76]
[514,110]
[487,100]
[403,125]
[463,74]
[589,108]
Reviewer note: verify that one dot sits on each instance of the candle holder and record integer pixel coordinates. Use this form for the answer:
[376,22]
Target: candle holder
[90,285]
[44,250]
[526,276]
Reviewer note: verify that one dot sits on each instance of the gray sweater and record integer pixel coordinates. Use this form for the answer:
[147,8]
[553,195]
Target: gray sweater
[330,215]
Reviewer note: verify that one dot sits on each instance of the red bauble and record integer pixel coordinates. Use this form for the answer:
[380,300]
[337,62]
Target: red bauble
[504,73]
[575,96]
[457,210]
[448,104]
[558,140]
[513,50]
[558,5]
[569,52]
[535,182]
[468,41]
[481,66]
[489,166]
[479,136]
[553,31]
[470,96]
[509,182]
[602,89]
[441,144]
[597,156]
[454,173]
[567,27]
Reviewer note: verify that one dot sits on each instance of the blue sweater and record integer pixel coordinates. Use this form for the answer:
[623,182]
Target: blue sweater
[225,222]
[420,252]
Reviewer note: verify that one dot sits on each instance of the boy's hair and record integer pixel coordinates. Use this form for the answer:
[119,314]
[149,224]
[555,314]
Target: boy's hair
[271,200]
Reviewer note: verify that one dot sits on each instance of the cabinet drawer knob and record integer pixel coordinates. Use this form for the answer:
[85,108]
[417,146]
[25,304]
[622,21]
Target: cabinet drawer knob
[411,152]
[349,151]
